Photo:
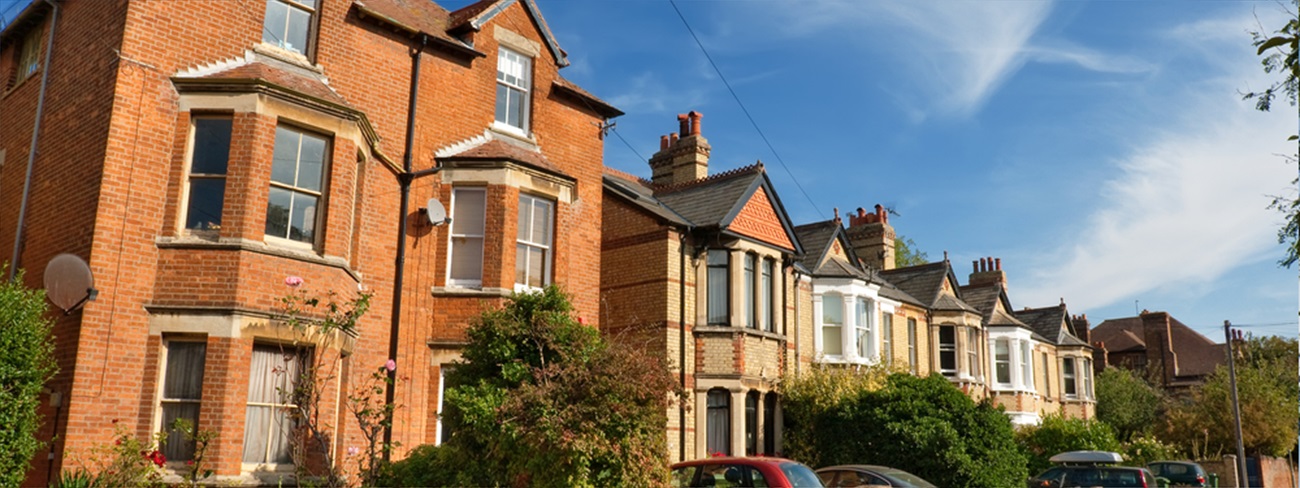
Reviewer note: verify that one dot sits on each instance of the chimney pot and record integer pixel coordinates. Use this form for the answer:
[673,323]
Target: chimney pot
[672,139]
[663,142]
[861,212]
[998,266]
[684,124]
[695,122]
[975,266]
[837,214]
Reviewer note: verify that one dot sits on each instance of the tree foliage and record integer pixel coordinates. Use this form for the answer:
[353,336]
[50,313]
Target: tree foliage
[1267,392]
[921,425]
[26,363]
[906,253]
[1278,55]
[1126,402]
[541,400]
[1058,434]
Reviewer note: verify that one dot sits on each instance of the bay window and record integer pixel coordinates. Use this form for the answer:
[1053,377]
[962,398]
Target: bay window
[972,353]
[1002,362]
[1027,365]
[948,350]
[209,156]
[1067,378]
[862,328]
[274,375]
[182,393]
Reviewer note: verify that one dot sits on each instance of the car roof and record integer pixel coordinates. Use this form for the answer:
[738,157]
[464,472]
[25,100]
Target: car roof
[745,461]
[1087,457]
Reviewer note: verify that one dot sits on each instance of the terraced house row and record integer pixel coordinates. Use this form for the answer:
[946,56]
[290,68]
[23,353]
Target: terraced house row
[198,154]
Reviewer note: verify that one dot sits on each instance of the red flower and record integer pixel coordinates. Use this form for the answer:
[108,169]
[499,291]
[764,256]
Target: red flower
[119,442]
[157,457]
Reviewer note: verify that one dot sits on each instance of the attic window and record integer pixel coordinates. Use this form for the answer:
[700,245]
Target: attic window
[288,24]
[30,54]
[514,81]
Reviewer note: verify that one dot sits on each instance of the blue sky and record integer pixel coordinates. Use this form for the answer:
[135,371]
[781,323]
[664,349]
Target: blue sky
[1099,148]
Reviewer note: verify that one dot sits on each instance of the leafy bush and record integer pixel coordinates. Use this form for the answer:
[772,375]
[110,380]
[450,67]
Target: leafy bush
[1126,402]
[1058,434]
[922,425]
[26,363]
[541,400]
[1142,450]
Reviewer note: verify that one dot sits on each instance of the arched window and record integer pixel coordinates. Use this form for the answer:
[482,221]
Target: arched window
[718,422]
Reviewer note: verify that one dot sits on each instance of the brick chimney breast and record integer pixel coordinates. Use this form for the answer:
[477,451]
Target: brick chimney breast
[988,270]
[686,158]
[872,238]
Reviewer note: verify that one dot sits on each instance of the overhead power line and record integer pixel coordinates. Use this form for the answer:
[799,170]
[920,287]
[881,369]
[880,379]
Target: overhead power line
[816,208]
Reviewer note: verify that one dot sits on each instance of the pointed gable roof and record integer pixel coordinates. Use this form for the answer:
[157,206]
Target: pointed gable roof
[925,282]
[1053,323]
[740,202]
[992,302]
[476,15]
[1197,354]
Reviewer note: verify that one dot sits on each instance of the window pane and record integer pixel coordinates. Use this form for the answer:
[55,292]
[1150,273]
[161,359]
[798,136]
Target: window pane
[767,304]
[207,198]
[541,222]
[748,310]
[296,35]
[516,107]
[832,309]
[718,422]
[718,286]
[184,375]
[285,159]
[177,448]
[521,263]
[524,220]
[311,162]
[467,264]
[211,146]
[468,211]
[1003,360]
[751,423]
[277,15]
[833,340]
[277,212]
[502,102]
[536,267]
[303,220]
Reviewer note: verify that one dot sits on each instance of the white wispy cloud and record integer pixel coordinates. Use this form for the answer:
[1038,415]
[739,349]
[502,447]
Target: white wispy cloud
[1188,201]
[647,92]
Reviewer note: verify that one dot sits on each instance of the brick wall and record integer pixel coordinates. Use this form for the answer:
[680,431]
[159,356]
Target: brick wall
[109,186]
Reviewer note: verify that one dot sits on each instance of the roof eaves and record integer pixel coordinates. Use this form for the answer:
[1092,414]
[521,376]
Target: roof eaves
[482,18]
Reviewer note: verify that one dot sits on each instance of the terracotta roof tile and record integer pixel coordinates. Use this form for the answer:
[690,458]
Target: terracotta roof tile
[499,150]
[307,85]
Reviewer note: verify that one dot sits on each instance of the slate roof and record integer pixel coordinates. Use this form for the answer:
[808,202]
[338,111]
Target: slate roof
[707,203]
[1049,322]
[925,282]
[816,239]
[1197,354]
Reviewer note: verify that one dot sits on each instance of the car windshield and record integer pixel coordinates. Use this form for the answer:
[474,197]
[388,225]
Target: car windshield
[800,476]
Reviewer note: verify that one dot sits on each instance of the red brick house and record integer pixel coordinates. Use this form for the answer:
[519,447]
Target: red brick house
[196,154]
[1159,346]
[701,268]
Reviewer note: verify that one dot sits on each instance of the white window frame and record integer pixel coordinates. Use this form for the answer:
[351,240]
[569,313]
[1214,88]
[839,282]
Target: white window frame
[911,345]
[317,218]
[886,338]
[443,370]
[1047,380]
[1069,379]
[1087,378]
[191,176]
[950,347]
[827,328]
[768,295]
[864,338]
[530,203]
[1027,365]
[1002,362]
[309,7]
[972,353]
[714,294]
[749,281]
[464,238]
[514,76]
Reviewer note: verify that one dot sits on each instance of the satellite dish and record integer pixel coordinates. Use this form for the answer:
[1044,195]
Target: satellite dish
[435,212]
[68,282]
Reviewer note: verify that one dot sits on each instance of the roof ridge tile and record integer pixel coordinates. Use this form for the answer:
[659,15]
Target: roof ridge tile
[753,168]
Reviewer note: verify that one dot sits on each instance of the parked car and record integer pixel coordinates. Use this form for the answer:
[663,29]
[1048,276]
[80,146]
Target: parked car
[1179,473]
[728,472]
[866,475]
[1088,469]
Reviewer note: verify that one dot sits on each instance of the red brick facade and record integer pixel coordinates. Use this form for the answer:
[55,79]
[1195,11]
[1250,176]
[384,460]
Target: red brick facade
[111,183]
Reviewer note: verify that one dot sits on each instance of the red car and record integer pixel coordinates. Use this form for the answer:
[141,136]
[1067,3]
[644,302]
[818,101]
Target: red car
[727,472]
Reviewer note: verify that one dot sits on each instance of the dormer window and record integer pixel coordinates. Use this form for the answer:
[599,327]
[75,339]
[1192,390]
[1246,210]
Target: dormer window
[514,81]
[288,24]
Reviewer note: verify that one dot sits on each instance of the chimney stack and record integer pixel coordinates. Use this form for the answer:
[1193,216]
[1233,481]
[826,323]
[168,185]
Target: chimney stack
[986,271]
[684,158]
[872,237]
[1160,346]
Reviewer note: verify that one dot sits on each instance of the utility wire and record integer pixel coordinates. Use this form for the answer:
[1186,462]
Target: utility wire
[743,109]
[625,143]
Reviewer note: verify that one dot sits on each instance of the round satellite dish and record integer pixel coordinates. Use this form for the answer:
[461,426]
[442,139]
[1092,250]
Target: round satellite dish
[435,212]
[68,282]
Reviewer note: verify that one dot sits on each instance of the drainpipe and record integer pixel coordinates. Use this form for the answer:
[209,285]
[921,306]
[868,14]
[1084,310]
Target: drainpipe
[404,180]
[31,151]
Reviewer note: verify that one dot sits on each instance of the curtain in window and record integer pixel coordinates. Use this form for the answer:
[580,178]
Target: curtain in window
[467,223]
[272,376]
[719,422]
[718,287]
[749,292]
[182,391]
